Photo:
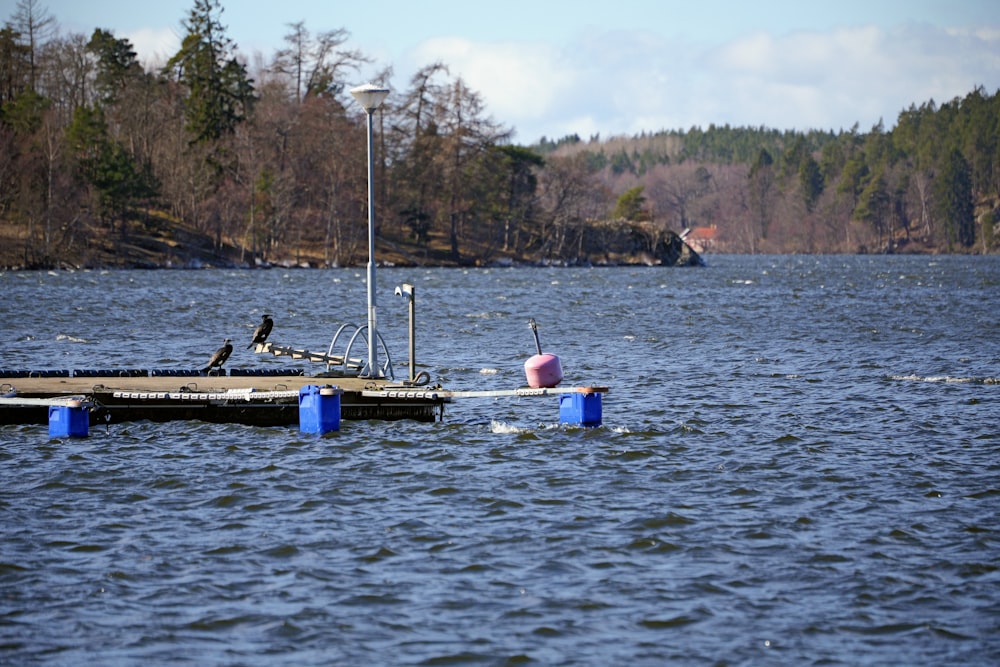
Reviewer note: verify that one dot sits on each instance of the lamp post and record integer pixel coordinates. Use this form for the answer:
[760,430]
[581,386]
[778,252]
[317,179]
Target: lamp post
[370,97]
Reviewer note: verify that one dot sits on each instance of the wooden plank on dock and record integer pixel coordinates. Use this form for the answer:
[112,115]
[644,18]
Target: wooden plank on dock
[436,394]
[247,395]
[25,401]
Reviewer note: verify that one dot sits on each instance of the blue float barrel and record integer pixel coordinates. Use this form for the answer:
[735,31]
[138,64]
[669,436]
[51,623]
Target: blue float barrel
[319,409]
[580,409]
[68,421]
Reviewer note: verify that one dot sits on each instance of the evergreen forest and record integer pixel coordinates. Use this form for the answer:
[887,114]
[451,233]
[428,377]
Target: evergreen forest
[215,159]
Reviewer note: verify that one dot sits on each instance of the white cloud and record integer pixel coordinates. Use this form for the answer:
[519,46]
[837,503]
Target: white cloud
[803,80]
[154,48]
[519,82]
[626,82]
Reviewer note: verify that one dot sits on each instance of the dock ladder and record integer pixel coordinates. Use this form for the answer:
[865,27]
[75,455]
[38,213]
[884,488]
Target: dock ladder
[345,364]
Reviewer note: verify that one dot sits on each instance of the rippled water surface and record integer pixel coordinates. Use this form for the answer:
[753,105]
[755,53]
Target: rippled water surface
[799,464]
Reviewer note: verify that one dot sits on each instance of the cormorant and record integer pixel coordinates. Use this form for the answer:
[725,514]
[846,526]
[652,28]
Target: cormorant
[262,331]
[220,356]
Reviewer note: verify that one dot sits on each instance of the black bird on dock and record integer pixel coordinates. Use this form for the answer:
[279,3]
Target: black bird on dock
[262,331]
[220,356]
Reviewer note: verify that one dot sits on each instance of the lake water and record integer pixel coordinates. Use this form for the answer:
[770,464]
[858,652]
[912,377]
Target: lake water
[799,464]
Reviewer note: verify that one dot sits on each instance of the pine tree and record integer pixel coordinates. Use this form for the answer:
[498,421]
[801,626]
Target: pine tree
[116,64]
[220,95]
[953,195]
[811,180]
[873,205]
[631,205]
[762,190]
[106,166]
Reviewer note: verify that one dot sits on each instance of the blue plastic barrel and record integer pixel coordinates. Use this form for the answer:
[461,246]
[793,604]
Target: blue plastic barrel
[319,409]
[580,409]
[68,421]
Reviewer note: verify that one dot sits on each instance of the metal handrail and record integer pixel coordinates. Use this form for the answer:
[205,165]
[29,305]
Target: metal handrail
[386,367]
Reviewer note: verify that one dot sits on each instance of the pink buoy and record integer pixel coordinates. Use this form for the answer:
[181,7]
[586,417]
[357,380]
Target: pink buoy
[542,370]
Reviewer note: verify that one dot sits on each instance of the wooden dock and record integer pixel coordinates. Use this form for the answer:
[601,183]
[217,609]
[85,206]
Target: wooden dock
[260,400]
[262,396]
[240,397]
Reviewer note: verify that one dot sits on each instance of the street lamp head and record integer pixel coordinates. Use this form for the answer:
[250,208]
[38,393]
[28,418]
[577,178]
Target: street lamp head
[369,96]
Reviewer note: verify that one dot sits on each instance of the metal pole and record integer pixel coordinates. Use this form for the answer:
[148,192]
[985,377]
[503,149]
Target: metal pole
[373,368]
[407,291]
[413,333]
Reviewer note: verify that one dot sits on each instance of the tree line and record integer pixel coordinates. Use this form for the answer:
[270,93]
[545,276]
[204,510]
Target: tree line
[930,184]
[268,161]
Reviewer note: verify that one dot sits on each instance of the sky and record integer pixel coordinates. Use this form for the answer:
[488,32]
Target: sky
[554,68]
